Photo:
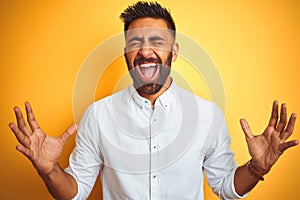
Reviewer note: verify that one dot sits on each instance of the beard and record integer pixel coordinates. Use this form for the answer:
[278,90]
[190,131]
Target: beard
[154,86]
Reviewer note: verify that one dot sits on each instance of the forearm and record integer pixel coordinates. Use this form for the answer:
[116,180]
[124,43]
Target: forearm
[60,184]
[245,180]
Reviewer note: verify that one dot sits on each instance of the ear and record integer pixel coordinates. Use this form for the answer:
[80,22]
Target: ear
[175,49]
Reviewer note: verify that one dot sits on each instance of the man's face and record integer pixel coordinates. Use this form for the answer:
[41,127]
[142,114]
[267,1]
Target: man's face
[150,49]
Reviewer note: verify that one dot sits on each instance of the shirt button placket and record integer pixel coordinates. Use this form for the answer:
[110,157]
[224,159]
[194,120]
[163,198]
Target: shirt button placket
[154,160]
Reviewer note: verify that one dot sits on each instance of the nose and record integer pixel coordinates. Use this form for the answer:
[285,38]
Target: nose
[145,51]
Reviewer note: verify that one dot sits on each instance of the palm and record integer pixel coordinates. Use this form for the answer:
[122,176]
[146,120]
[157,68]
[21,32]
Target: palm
[45,151]
[265,149]
[42,150]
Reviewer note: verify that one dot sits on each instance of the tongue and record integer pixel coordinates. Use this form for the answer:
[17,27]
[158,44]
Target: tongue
[148,72]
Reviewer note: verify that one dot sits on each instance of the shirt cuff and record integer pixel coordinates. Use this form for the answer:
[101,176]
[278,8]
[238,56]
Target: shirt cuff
[77,196]
[233,187]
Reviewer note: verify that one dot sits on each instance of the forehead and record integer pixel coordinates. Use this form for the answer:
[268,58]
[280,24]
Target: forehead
[148,22]
[147,27]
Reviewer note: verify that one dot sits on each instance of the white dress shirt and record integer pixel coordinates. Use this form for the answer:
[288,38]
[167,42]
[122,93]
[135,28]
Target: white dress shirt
[148,154]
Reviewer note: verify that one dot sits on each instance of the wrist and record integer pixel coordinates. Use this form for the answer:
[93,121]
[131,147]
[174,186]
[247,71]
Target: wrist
[48,173]
[254,171]
[262,170]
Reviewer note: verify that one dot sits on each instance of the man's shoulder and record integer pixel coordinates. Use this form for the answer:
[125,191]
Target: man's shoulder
[204,107]
[117,96]
[104,105]
[189,96]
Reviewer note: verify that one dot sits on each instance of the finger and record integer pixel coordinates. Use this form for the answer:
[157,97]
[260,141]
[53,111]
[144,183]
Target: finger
[246,129]
[283,118]
[287,145]
[30,117]
[21,137]
[290,128]
[67,134]
[274,115]
[21,122]
[27,152]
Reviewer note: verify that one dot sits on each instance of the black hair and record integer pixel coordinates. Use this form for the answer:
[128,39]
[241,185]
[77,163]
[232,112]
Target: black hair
[143,9]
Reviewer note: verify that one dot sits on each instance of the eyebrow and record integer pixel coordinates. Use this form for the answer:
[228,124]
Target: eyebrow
[153,38]
[136,39]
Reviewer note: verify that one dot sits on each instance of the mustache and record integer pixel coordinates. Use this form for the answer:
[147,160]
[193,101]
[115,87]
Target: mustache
[143,60]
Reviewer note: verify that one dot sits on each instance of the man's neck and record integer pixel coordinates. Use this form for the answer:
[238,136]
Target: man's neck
[153,97]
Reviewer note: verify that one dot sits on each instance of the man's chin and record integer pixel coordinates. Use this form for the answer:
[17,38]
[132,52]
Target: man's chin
[150,88]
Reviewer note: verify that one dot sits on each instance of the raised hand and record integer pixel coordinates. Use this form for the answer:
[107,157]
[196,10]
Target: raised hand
[265,149]
[42,150]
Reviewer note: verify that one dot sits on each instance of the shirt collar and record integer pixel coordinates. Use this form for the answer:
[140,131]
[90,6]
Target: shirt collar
[139,100]
[165,99]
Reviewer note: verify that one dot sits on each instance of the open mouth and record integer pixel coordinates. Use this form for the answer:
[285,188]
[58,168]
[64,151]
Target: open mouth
[147,70]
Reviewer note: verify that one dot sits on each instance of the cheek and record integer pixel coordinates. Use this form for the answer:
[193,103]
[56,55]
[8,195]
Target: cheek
[166,57]
[130,56]
[163,55]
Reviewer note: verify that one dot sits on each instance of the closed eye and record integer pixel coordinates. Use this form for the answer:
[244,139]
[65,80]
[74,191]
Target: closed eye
[135,42]
[157,41]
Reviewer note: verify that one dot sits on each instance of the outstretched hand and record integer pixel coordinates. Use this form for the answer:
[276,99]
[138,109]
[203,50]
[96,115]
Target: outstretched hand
[265,149]
[42,150]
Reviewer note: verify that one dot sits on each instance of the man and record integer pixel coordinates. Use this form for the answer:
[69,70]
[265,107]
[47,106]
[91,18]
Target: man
[152,140]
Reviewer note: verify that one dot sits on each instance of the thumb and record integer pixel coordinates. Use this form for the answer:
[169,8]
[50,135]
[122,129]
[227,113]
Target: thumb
[246,129]
[63,138]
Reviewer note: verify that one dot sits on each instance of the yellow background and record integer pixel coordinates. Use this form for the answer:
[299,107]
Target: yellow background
[254,44]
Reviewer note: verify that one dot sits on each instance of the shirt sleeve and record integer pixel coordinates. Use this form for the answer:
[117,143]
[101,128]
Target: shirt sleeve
[219,165]
[86,159]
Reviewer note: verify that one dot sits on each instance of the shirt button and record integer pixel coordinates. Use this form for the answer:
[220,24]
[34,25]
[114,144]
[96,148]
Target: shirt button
[154,119]
[154,176]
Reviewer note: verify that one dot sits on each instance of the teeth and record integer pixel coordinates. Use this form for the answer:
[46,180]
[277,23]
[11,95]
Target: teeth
[148,65]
